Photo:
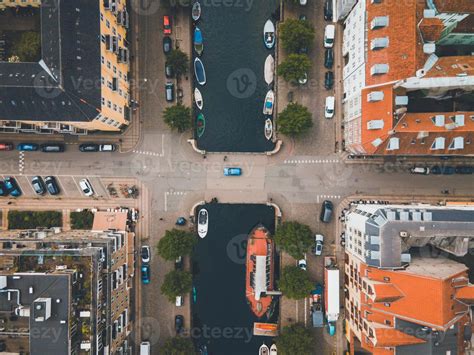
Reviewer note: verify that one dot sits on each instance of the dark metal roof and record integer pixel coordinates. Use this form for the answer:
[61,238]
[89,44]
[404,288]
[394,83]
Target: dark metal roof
[66,84]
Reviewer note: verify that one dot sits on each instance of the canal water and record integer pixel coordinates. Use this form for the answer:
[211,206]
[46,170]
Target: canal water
[234,56]
[222,319]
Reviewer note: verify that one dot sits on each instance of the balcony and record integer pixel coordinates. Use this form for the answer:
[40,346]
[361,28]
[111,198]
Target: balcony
[123,55]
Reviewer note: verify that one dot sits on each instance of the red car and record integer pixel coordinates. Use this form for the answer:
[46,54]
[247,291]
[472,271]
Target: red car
[166,25]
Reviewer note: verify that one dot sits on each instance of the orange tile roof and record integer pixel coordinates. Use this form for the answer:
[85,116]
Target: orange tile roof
[431,29]
[458,6]
[387,337]
[386,292]
[452,66]
[466,294]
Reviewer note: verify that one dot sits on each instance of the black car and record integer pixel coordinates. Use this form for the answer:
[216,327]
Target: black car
[328,10]
[302,17]
[442,170]
[38,185]
[329,80]
[89,147]
[179,324]
[169,71]
[328,58]
[167,44]
[51,185]
[464,170]
[326,212]
[178,263]
[3,189]
[52,148]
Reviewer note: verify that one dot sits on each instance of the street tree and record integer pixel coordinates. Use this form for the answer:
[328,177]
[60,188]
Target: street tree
[28,47]
[294,238]
[178,346]
[178,61]
[294,67]
[176,243]
[176,283]
[295,283]
[295,339]
[178,117]
[296,34]
[294,120]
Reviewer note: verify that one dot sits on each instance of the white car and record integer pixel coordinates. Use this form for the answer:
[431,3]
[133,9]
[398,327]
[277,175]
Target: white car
[145,253]
[86,187]
[107,148]
[319,239]
[329,107]
[179,301]
[303,2]
[329,35]
[302,264]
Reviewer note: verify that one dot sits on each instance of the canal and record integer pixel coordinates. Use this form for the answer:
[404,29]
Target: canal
[234,56]
[222,318]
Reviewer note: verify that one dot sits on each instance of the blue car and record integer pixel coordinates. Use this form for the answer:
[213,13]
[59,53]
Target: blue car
[12,187]
[146,274]
[3,189]
[232,171]
[28,147]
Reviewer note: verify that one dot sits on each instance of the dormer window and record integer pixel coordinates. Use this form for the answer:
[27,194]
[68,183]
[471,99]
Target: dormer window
[379,69]
[393,143]
[457,143]
[438,120]
[379,22]
[438,143]
[379,43]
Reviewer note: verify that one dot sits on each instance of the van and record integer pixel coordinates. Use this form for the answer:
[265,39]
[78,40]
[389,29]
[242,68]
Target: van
[326,212]
[145,348]
[169,90]
[329,34]
[329,107]
[52,148]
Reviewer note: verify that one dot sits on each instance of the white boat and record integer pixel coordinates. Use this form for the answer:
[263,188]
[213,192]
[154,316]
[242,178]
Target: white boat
[273,349]
[268,104]
[269,34]
[268,129]
[198,98]
[264,350]
[269,69]
[196,11]
[203,219]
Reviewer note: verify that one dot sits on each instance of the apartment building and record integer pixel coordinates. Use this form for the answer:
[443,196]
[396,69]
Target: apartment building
[83,281]
[398,299]
[79,82]
[408,78]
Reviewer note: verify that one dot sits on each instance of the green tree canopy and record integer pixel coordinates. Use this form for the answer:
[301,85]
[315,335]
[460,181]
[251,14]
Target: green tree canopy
[296,34]
[178,61]
[176,283]
[294,238]
[178,346]
[294,120]
[294,67]
[176,243]
[178,117]
[295,283]
[295,339]
[28,47]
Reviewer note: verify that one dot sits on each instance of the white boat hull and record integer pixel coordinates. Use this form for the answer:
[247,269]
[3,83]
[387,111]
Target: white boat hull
[198,98]
[269,69]
[268,129]
[268,104]
[203,221]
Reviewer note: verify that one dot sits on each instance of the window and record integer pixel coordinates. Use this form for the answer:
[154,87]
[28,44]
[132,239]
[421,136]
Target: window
[107,23]
[386,304]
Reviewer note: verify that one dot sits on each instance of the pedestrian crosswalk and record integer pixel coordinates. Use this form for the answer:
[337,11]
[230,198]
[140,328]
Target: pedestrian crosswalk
[327,197]
[21,162]
[311,161]
[142,152]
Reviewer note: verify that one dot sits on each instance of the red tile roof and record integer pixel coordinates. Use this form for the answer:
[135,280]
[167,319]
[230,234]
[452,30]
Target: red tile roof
[458,6]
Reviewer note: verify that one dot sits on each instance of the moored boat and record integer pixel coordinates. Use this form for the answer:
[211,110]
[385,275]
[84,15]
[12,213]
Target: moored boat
[203,219]
[199,71]
[269,34]
[198,43]
[259,270]
[200,126]
[268,104]
[268,129]
[263,350]
[269,69]
[273,350]
[196,11]
[198,98]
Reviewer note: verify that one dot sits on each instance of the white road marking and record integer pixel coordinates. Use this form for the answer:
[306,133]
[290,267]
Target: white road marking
[62,187]
[333,197]
[311,161]
[172,193]
[77,185]
[21,162]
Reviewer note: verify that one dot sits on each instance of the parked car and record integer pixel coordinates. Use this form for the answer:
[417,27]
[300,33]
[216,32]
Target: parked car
[107,147]
[329,35]
[232,171]
[302,264]
[166,25]
[328,10]
[6,146]
[52,148]
[178,263]
[420,170]
[319,240]
[169,92]
[3,189]
[328,58]
[179,301]
[302,17]
[51,185]
[12,187]
[303,2]
[38,185]
[444,170]
[167,45]
[326,212]
[329,107]
[27,147]
[464,170]
[328,80]
[303,80]
[86,187]
[146,274]
[179,324]
[89,147]
[145,253]
[169,71]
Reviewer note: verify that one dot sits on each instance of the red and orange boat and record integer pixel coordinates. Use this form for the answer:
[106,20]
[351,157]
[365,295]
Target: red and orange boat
[260,270]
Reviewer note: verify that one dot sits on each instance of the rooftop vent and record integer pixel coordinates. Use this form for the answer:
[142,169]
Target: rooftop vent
[376,142]
[405,258]
[401,100]
[429,48]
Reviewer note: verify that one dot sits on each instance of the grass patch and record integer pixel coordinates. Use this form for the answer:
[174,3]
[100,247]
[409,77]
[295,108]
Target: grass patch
[82,220]
[34,219]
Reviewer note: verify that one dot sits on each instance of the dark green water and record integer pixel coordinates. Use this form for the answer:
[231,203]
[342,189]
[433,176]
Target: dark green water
[221,316]
[234,56]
